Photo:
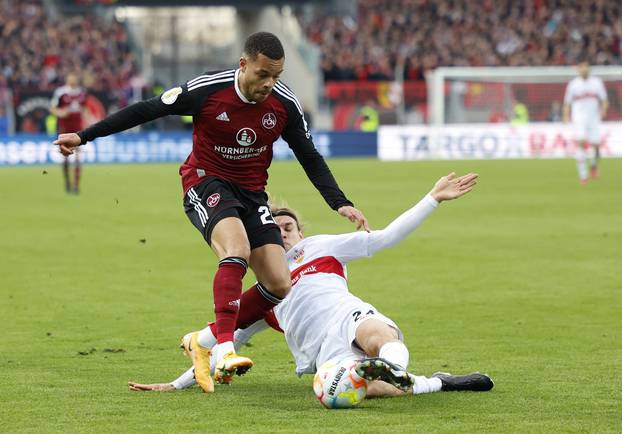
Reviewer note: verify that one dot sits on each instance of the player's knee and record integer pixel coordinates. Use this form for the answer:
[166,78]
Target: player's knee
[373,344]
[373,335]
[281,286]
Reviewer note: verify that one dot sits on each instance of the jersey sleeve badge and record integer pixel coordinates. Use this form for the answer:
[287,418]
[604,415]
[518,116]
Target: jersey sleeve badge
[170,96]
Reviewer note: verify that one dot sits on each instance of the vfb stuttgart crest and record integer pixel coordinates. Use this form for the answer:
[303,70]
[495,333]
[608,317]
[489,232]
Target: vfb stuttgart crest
[246,137]
[268,121]
[213,200]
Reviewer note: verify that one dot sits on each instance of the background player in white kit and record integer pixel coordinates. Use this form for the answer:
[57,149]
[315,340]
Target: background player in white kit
[322,320]
[585,103]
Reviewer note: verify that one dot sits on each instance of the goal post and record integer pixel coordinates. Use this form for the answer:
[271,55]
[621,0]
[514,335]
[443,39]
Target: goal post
[487,94]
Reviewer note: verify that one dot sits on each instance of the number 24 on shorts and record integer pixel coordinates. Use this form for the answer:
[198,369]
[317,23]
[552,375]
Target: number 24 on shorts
[266,217]
[357,314]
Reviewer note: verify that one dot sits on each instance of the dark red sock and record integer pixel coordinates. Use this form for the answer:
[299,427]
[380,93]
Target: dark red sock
[254,304]
[76,178]
[270,318]
[66,174]
[227,290]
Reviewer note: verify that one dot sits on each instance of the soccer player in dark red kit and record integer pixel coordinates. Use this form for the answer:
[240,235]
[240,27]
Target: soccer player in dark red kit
[237,115]
[67,105]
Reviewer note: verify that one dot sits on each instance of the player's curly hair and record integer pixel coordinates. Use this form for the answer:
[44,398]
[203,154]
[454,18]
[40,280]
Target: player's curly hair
[264,43]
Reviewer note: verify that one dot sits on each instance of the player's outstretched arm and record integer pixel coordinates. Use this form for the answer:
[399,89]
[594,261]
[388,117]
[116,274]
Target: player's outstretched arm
[447,188]
[452,187]
[157,387]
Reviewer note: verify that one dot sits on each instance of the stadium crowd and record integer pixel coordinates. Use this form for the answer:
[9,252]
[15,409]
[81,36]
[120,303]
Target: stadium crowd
[39,51]
[425,34]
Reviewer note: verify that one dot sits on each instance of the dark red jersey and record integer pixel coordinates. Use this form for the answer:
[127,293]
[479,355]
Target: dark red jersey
[72,98]
[232,137]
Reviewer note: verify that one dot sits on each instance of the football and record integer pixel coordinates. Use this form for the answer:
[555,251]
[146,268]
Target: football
[337,385]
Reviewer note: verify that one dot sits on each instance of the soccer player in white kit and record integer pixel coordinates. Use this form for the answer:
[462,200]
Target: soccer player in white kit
[323,321]
[586,104]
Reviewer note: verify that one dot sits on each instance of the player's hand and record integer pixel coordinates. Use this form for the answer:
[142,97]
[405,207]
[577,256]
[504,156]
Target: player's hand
[354,215]
[67,142]
[451,187]
[160,387]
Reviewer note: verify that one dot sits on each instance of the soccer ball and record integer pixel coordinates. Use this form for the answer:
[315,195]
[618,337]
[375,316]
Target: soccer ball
[337,385]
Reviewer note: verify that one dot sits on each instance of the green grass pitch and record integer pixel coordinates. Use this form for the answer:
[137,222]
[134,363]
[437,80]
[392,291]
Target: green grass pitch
[520,279]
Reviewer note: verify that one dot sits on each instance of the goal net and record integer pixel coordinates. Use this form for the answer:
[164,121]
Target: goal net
[459,95]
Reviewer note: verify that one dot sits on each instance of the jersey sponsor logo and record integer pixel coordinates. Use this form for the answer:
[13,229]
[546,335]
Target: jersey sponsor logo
[268,121]
[170,96]
[237,153]
[213,200]
[246,137]
[223,117]
[325,264]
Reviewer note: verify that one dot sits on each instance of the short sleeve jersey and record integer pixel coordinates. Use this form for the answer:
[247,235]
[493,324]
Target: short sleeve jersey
[73,98]
[584,97]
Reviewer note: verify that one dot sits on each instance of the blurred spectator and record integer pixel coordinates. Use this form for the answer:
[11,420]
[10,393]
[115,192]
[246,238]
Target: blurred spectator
[368,117]
[428,34]
[4,121]
[520,114]
[38,51]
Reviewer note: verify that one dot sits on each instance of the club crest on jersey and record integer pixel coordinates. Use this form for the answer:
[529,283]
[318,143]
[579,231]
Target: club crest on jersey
[170,96]
[246,137]
[268,121]
[213,200]
[299,255]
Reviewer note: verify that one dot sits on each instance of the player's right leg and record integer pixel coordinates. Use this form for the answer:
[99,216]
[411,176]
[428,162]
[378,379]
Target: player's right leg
[213,208]
[230,243]
[439,382]
[379,338]
[580,154]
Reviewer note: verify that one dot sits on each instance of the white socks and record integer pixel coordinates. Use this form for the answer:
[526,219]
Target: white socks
[206,338]
[396,353]
[222,349]
[581,163]
[242,336]
[426,385]
[185,380]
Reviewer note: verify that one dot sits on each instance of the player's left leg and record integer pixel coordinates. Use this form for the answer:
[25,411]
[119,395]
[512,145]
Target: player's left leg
[66,177]
[593,137]
[267,260]
[77,172]
[594,162]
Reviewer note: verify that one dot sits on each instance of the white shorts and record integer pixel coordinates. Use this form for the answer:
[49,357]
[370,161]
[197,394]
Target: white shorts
[339,342]
[587,131]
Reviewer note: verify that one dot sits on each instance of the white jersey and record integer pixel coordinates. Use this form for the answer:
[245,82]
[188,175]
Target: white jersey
[585,98]
[319,296]
[319,291]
